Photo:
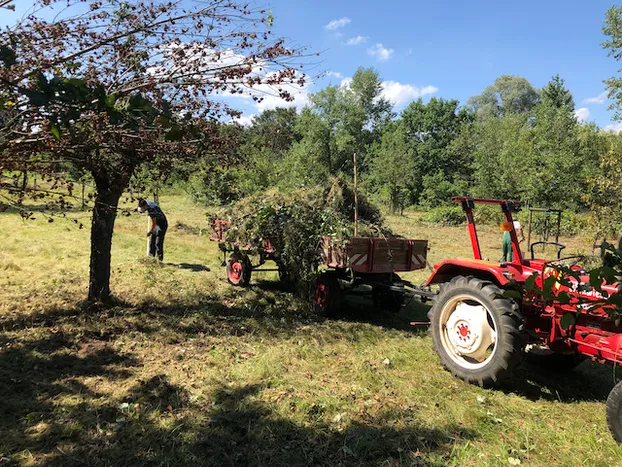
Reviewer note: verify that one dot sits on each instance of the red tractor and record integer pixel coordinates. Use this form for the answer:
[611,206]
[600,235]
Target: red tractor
[481,335]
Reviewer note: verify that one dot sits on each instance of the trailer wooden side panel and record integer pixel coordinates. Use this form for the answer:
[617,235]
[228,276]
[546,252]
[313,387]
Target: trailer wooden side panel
[376,255]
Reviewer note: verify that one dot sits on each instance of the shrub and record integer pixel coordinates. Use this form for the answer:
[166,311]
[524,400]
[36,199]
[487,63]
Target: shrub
[213,186]
[438,190]
[571,223]
[488,214]
[446,215]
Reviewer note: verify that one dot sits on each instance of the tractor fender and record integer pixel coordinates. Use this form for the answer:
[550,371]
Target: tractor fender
[480,269]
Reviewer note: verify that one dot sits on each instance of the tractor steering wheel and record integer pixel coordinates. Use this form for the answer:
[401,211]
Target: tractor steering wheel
[568,261]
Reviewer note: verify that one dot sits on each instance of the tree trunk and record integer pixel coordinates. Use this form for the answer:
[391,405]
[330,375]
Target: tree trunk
[102,226]
[393,201]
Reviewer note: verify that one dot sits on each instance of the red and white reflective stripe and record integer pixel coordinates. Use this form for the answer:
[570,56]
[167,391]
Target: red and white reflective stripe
[418,260]
[358,259]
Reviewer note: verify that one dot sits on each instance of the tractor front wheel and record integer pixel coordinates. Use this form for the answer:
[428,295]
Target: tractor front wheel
[239,269]
[614,412]
[476,332]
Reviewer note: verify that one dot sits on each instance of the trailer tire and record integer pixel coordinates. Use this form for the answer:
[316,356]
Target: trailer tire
[388,299]
[327,294]
[476,332]
[283,272]
[614,412]
[239,269]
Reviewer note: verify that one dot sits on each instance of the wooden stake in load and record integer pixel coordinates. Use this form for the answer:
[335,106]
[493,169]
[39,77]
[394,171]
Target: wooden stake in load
[356,204]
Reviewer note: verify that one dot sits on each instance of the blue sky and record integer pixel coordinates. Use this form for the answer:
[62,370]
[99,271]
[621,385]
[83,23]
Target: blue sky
[449,49]
[458,47]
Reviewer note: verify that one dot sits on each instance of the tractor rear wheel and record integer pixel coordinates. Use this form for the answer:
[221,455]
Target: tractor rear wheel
[327,294]
[476,332]
[614,412]
[239,269]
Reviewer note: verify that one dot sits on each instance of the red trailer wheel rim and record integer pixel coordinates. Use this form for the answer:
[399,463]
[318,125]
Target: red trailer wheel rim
[322,291]
[235,271]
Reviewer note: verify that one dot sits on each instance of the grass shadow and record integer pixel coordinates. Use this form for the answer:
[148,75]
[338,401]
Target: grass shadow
[189,267]
[162,425]
[589,382]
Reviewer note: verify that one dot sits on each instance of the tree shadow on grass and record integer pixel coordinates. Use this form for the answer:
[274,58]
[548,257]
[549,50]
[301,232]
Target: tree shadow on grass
[189,267]
[162,425]
[43,402]
[359,308]
[589,382]
[62,372]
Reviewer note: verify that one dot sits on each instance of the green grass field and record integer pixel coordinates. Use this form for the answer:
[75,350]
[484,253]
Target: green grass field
[187,370]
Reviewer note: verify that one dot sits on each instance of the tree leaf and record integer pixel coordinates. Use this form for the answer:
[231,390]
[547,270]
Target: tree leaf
[515,294]
[566,321]
[55,130]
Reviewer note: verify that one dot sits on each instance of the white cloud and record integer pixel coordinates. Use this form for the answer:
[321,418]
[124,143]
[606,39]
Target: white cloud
[334,74]
[244,120]
[337,23]
[615,127]
[396,92]
[399,94]
[380,52]
[356,40]
[582,114]
[600,99]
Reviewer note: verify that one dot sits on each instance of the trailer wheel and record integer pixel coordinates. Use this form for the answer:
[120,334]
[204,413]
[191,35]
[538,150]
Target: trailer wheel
[476,333]
[555,362]
[614,412]
[327,294]
[283,273]
[387,299]
[239,269]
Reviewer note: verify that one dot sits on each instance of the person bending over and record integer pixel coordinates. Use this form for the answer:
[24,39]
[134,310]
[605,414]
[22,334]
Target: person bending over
[157,227]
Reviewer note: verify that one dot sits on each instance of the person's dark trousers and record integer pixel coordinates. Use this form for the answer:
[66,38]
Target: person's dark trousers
[156,243]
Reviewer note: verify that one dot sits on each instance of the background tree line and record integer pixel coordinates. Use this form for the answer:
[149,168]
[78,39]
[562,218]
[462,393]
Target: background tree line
[512,141]
[125,95]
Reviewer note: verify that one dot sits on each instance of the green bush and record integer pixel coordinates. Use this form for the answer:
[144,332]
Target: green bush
[213,186]
[438,190]
[488,214]
[571,223]
[445,215]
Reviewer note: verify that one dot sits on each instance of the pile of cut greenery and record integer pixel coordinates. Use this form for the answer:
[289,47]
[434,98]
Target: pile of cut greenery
[296,221]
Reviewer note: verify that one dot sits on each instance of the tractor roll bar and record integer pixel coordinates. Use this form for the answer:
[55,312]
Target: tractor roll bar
[514,205]
[507,207]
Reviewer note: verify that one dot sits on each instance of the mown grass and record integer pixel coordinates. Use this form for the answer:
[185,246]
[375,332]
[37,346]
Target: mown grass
[187,370]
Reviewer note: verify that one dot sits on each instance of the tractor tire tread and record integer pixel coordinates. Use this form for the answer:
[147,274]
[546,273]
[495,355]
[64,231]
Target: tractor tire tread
[614,412]
[509,319]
